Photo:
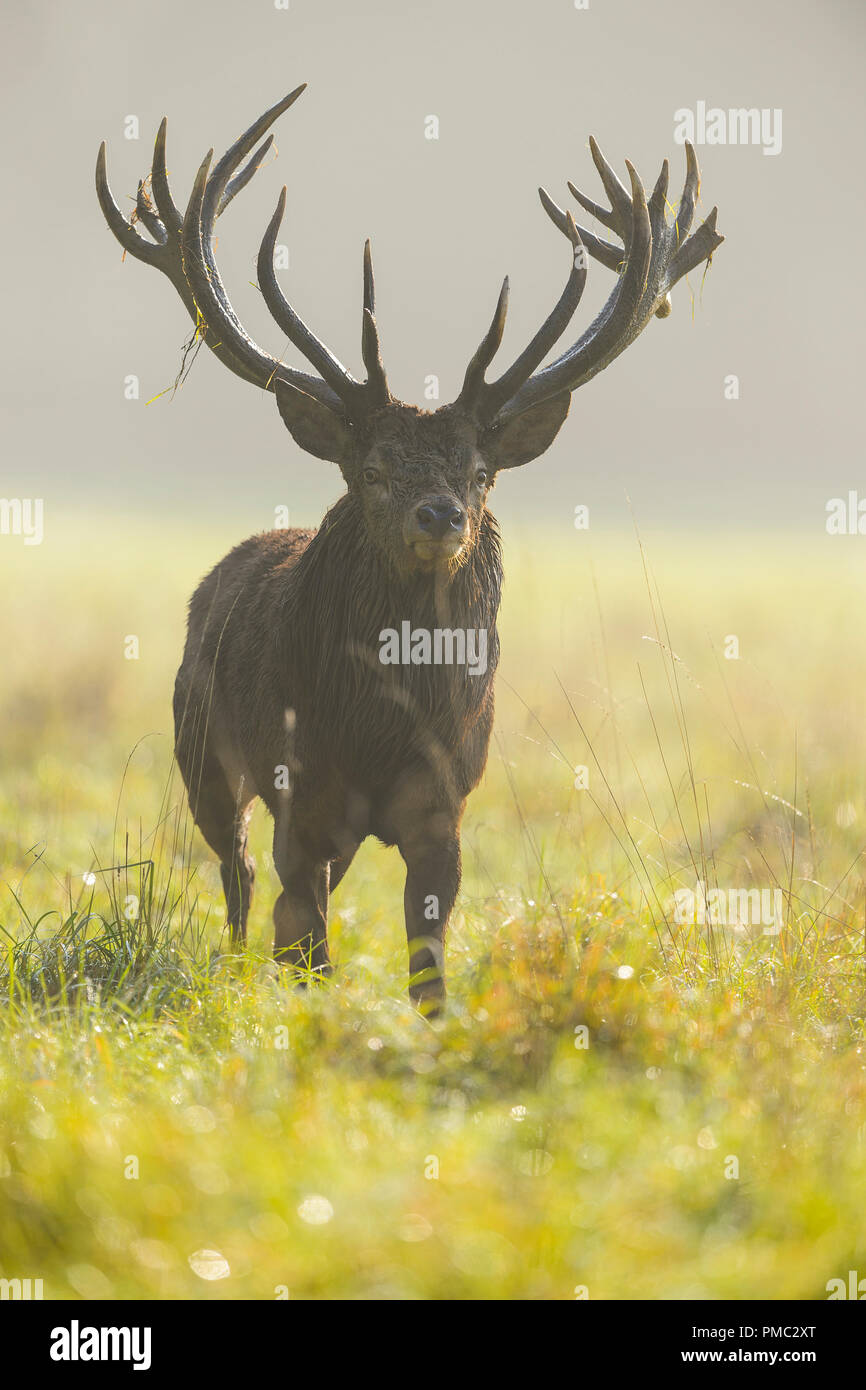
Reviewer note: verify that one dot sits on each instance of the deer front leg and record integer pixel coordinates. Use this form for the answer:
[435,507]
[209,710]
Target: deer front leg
[301,910]
[431,853]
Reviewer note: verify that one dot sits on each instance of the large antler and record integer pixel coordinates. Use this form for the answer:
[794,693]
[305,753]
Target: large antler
[655,254]
[182,248]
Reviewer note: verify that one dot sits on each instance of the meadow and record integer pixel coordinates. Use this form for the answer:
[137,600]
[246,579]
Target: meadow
[617,1104]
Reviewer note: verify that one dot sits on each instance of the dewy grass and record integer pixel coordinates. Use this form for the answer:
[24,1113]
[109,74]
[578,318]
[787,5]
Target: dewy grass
[616,1103]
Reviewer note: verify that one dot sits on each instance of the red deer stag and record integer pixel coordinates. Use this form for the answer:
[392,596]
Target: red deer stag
[345,675]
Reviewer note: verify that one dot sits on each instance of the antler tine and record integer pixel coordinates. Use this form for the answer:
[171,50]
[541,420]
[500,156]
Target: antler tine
[691,189]
[165,203]
[699,247]
[377,382]
[126,234]
[602,215]
[215,188]
[234,186]
[369,281]
[659,197]
[619,199]
[492,396]
[604,251]
[484,354]
[333,372]
[225,167]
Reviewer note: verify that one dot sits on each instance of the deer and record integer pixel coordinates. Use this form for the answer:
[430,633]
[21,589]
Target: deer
[284,693]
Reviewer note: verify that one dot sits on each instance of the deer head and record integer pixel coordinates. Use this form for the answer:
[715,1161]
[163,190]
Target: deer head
[421,479]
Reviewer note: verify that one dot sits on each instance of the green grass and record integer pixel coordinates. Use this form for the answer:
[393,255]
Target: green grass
[576,1118]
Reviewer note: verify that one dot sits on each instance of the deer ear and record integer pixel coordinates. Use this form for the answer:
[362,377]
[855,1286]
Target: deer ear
[522,439]
[312,425]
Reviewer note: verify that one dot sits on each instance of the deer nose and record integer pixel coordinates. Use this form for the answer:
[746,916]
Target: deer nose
[438,519]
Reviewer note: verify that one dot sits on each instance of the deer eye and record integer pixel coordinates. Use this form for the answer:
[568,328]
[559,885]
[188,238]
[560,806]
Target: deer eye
[371,475]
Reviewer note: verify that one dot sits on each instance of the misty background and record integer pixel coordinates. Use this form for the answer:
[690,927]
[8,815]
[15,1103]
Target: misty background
[517,89]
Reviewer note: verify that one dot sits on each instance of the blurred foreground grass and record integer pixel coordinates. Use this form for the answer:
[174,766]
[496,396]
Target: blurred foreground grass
[615,1102]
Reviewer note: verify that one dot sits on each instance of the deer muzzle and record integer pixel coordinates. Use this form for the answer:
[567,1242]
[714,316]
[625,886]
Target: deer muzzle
[436,530]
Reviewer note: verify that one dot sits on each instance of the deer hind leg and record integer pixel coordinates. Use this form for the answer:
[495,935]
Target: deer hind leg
[301,910]
[238,876]
[222,819]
